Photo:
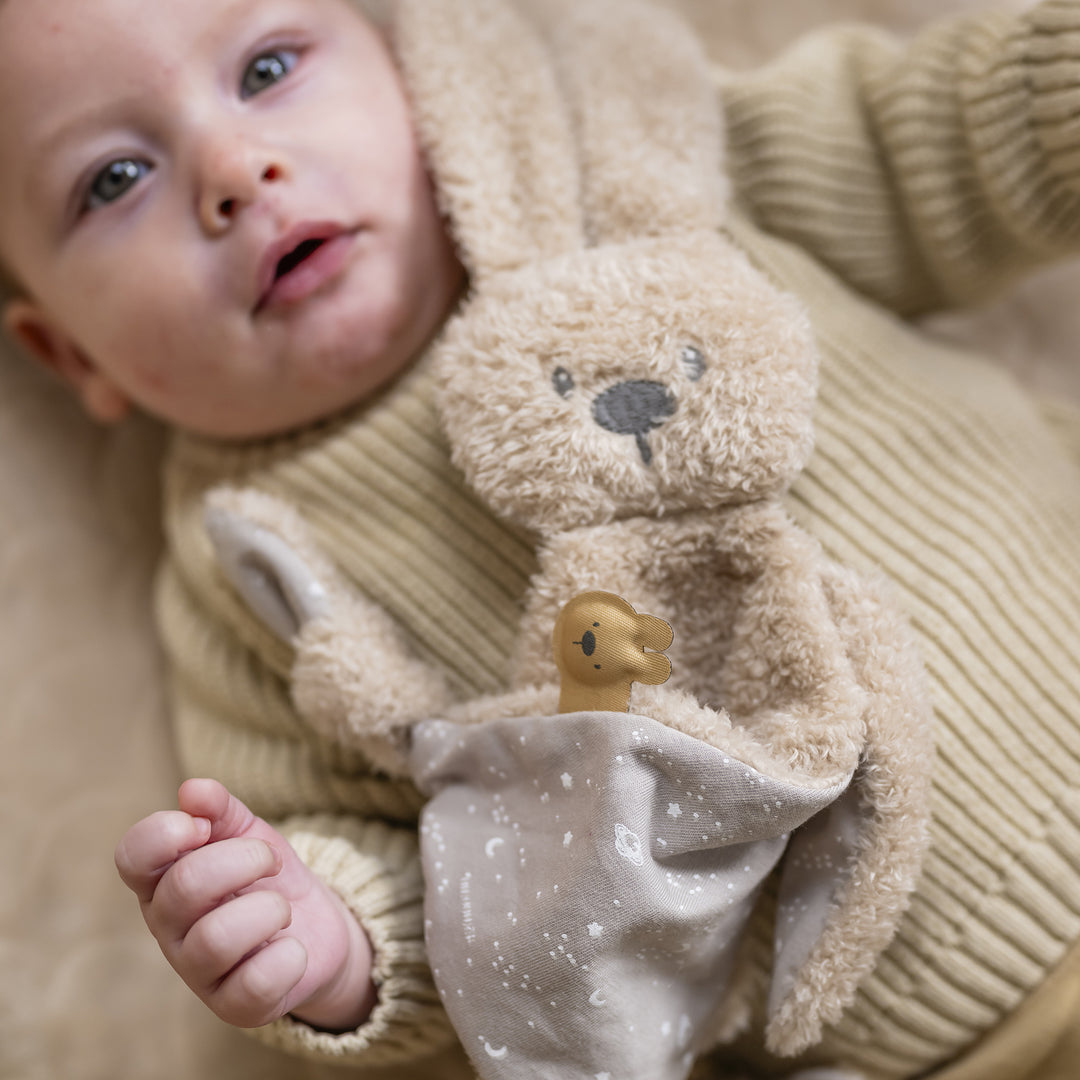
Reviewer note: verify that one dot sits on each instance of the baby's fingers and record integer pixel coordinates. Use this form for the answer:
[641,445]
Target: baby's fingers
[147,850]
[202,879]
[257,991]
[223,938]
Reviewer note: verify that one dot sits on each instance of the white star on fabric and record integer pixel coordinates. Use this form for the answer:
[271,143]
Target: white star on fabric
[595,929]
[567,837]
[674,810]
[567,780]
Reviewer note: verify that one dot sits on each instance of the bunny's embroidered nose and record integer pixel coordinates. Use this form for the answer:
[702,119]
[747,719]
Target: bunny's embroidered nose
[634,408]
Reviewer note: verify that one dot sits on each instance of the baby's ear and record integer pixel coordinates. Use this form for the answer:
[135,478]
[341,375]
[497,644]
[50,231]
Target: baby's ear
[493,125]
[649,122]
[46,342]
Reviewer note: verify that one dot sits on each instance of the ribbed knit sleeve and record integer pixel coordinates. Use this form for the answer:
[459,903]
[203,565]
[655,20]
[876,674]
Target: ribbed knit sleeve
[375,869]
[925,174]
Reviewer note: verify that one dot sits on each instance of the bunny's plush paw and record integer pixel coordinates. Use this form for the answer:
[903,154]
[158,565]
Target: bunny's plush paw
[355,677]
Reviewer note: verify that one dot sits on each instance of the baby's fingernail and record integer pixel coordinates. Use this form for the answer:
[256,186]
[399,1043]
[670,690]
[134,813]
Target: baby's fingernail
[203,827]
[279,862]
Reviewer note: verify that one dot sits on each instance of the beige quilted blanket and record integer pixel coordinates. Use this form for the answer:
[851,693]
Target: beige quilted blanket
[84,748]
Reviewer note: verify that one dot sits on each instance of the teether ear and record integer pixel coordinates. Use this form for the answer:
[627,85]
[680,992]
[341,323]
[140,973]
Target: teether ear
[650,128]
[601,646]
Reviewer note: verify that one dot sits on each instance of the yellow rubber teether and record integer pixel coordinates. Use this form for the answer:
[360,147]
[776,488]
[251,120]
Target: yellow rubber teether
[602,646]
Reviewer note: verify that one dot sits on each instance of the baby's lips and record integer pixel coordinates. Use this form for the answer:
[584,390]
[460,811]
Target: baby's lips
[267,271]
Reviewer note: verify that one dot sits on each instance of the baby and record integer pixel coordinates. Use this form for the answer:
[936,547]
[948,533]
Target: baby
[156,211]
[226,220]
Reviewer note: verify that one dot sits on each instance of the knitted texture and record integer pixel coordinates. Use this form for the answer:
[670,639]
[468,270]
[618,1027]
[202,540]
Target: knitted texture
[924,175]
[375,870]
[940,475]
[919,177]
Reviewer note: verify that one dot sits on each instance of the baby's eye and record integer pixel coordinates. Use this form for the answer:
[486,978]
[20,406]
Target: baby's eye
[266,69]
[114,180]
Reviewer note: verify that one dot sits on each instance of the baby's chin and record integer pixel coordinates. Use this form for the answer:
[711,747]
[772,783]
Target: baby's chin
[330,355]
[341,336]
[335,386]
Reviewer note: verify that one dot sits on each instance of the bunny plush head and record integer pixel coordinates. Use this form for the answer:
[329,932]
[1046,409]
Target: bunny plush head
[635,378]
[617,355]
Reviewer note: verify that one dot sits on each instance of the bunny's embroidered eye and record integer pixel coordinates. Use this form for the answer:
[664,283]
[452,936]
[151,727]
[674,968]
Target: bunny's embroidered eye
[694,361]
[563,382]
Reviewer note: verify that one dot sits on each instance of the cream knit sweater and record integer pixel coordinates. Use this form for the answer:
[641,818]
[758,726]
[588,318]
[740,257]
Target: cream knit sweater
[870,180]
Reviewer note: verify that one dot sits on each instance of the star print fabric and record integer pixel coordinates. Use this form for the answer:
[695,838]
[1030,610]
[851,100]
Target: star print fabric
[588,878]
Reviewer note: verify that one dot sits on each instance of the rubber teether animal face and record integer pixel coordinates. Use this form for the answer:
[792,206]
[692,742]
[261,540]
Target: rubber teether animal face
[602,646]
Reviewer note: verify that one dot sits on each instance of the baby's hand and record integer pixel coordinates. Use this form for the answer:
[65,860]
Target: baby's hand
[244,922]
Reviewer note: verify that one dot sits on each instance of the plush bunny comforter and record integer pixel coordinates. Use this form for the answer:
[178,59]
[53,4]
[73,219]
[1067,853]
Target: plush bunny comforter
[624,384]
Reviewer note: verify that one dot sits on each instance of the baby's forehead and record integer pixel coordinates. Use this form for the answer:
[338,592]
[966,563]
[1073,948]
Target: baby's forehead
[70,41]
[69,62]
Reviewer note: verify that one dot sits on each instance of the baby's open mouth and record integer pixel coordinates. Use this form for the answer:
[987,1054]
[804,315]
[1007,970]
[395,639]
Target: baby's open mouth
[302,262]
[295,257]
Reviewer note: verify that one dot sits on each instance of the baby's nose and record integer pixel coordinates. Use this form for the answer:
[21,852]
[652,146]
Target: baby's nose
[230,178]
[634,408]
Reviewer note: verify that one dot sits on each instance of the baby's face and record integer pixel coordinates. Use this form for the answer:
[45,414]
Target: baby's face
[217,207]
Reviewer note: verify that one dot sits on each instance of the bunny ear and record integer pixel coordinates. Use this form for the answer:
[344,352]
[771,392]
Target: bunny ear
[495,130]
[649,122]
[849,873]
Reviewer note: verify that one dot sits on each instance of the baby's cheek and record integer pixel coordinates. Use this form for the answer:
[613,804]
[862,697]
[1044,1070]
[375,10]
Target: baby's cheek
[155,377]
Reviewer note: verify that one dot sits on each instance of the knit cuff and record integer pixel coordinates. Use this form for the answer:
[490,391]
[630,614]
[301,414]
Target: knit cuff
[375,868]
[1021,98]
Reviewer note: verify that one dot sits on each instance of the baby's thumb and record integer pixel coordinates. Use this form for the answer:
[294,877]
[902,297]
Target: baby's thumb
[209,799]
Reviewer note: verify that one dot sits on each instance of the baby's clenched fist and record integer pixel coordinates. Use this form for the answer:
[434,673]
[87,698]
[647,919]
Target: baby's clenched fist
[242,920]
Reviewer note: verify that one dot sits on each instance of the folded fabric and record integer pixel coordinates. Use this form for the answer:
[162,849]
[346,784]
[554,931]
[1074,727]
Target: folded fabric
[588,878]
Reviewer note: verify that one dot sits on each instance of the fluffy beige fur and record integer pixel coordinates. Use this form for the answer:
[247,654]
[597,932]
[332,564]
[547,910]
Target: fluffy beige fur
[624,384]
[638,395]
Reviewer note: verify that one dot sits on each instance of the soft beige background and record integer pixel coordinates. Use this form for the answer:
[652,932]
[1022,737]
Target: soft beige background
[84,748]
